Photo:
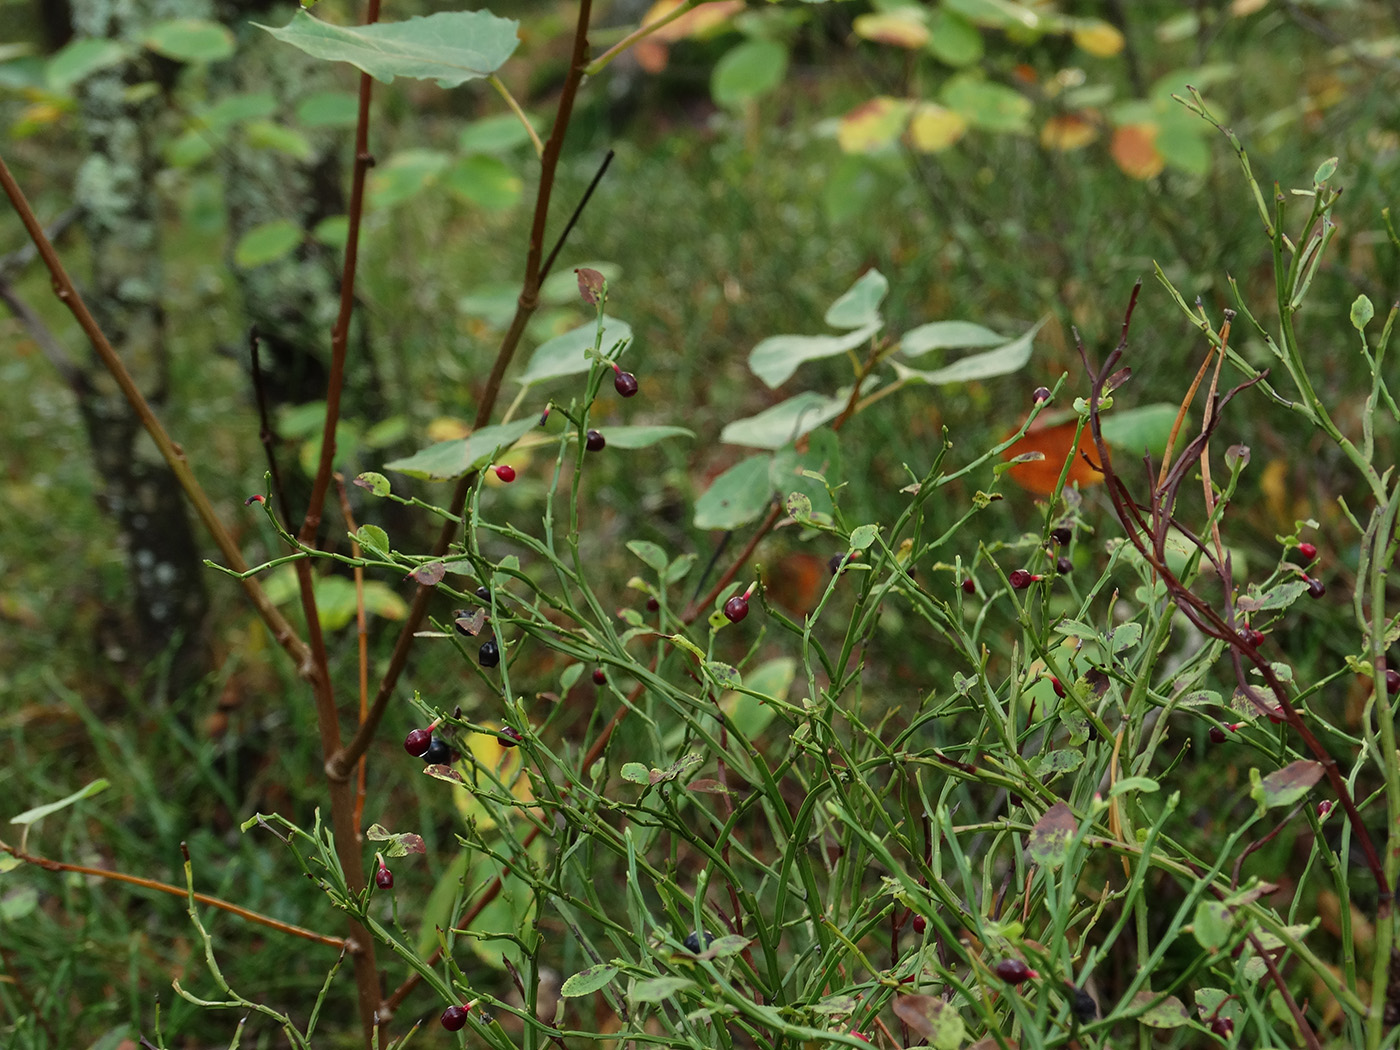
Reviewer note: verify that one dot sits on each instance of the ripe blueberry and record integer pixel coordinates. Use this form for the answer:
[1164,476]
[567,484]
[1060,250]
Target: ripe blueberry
[510,736]
[418,741]
[625,383]
[484,593]
[454,1018]
[1064,566]
[1081,1004]
[692,941]
[1222,1026]
[1217,735]
[969,586]
[599,676]
[506,473]
[1316,588]
[736,608]
[384,878]
[653,605]
[1041,395]
[1392,681]
[489,655]
[1014,971]
[1307,550]
[595,442]
[439,752]
[1061,535]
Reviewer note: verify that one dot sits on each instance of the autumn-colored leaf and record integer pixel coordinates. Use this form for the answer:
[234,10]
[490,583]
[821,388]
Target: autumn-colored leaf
[1068,131]
[653,52]
[1056,444]
[934,127]
[1098,37]
[900,28]
[1134,149]
[873,125]
[796,582]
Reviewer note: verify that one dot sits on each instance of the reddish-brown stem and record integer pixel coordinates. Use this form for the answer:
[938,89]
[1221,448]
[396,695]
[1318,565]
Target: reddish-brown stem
[180,891]
[362,630]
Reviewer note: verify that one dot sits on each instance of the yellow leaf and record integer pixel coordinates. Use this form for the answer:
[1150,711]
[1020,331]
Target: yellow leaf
[934,127]
[1134,150]
[873,125]
[445,428]
[901,28]
[1068,131]
[1240,8]
[1098,37]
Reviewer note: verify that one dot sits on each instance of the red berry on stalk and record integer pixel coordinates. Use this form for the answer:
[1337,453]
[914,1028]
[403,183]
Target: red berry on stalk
[1323,808]
[384,878]
[653,605]
[1307,550]
[1061,535]
[920,924]
[1059,687]
[506,473]
[969,586]
[1041,395]
[736,608]
[1392,681]
[594,441]
[625,383]
[1021,579]
[599,676]
[454,1018]
[510,736]
[1014,971]
[1316,588]
[1217,735]
[1222,1026]
[417,741]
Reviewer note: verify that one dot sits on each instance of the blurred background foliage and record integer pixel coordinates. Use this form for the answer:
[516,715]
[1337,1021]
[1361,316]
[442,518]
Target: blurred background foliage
[999,161]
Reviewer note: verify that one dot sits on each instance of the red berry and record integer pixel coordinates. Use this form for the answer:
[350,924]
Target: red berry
[594,441]
[1021,579]
[1392,681]
[506,473]
[860,1035]
[417,742]
[1041,395]
[384,878]
[1014,971]
[599,676]
[454,1018]
[1217,735]
[510,736]
[625,383]
[653,605]
[920,924]
[969,586]
[1059,687]
[1324,807]
[1222,1026]
[1307,550]
[736,608]
[1316,588]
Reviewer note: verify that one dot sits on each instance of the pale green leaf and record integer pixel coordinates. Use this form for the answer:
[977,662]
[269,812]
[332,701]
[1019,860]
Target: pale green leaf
[860,305]
[29,816]
[949,335]
[451,459]
[1001,361]
[776,358]
[566,355]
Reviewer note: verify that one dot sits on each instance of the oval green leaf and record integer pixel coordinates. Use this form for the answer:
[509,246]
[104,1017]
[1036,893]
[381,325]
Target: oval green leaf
[737,497]
[567,354]
[983,104]
[451,459]
[860,305]
[776,358]
[643,437]
[484,181]
[80,59]
[947,335]
[29,816]
[1001,361]
[190,40]
[784,422]
[585,982]
[748,71]
[266,243]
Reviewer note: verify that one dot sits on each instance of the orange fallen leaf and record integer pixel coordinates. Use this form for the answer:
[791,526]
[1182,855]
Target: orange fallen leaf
[796,582]
[1056,443]
[1068,131]
[1134,150]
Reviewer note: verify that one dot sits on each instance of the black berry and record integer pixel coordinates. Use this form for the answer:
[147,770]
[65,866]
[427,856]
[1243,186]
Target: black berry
[506,473]
[1307,550]
[439,752]
[599,676]
[692,941]
[417,741]
[1061,535]
[454,1018]
[489,655]
[595,442]
[736,608]
[1064,566]
[510,736]
[969,586]
[653,605]
[384,878]
[625,383]
[484,593]
[1014,971]
[1222,1026]
[1081,1004]
[1316,588]
[1041,395]
[837,560]
[1217,735]
[1392,681]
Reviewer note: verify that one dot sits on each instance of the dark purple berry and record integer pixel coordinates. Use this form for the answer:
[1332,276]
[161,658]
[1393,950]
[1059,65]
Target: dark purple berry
[1392,681]
[969,586]
[1021,579]
[439,752]
[1061,535]
[837,560]
[736,608]
[1217,735]
[625,383]
[1041,395]
[1222,1026]
[692,941]
[384,878]
[1081,1004]
[595,442]
[417,741]
[1064,566]
[454,1018]
[920,924]
[484,593]
[489,655]
[1307,550]
[653,605]
[1316,588]
[1014,971]
[1323,808]
[599,676]
[510,736]
[506,473]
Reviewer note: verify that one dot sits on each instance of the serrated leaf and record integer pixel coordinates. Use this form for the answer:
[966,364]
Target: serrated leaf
[266,243]
[657,989]
[566,355]
[737,496]
[451,459]
[860,304]
[449,47]
[1001,361]
[1285,786]
[29,816]
[776,358]
[190,40]
[1050,838]
[585,982]
[947,335]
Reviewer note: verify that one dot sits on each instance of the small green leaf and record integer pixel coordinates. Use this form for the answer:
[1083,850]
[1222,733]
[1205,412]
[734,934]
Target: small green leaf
[1211,925]
[404,175]
[776,358]
[329,109]
[680,568]
[1051,836]
[658,988]
[737,496]
[79,59]
[373,538]
[726,947]
[585,982]
[1142,429]
[29,816]
[652,556]
[1325,171]
[636,772]
[1063,761]
[452,459]
[266,243]
[860,305]
[748,71]
[190,40]
[863,537]
[785,422]
[449,47]
[1361,312]
[1125,636]
[953,40]
[567,354]
[377,484]
[1285,786]
[983,104]
[234,109]
[643,437]
[498,134]
[1145,784]
[1001,361]
[1169,1013]
[799,507]
[485,181]
[725,676]
[947,335]
[264,134]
